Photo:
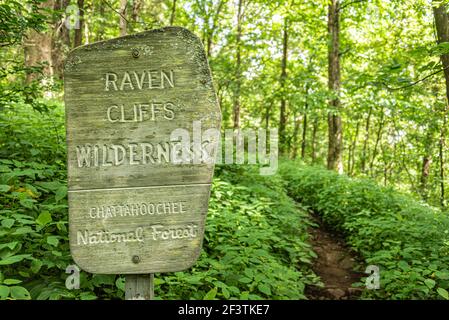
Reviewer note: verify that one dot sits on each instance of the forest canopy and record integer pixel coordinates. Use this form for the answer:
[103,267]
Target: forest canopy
[358,86]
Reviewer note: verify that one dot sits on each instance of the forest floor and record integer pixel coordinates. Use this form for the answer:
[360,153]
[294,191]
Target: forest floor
[334,265]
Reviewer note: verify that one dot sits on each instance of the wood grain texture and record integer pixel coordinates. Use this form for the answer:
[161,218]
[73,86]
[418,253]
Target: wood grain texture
[139,287]
[127,199]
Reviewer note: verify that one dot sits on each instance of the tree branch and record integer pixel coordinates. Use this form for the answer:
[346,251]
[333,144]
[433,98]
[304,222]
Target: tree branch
[416,82]
[344,5]
[118,12]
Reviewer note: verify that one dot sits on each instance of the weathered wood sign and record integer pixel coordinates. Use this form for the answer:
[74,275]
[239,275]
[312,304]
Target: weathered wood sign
[141,118]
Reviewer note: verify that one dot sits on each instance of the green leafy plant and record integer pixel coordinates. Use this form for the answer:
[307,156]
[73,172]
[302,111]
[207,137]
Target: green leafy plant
[407,239]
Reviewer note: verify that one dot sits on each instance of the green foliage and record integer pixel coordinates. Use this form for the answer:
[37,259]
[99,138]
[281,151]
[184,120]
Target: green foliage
[256,238]
[17,19]
[34,250]
[255,243]
[408,240]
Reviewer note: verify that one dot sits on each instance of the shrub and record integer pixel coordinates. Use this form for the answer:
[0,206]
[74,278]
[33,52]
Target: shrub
[408,240]
[255,243]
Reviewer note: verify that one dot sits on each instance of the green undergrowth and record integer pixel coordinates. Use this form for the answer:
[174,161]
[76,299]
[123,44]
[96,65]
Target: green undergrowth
[255,244]
[406,239]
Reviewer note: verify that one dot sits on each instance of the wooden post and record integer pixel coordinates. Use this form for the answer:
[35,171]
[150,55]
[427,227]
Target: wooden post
[139,286]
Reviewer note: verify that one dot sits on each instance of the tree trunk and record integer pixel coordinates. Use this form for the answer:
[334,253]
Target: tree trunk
[37,47]
[364,156]
[137,5]
[426,163]
[378,139]
[283,78]
[173,13]
[425,171]
[351,156]
[209,45]
[335,131]
[313,142]
[86,32]
[238,71]
[441,156]
[267,114]
[123,23]
[304,125]
[388,165]
[78,39]
[304,136]
[209,32]
[442,26]
[297,121]
[101,27]
[60,38]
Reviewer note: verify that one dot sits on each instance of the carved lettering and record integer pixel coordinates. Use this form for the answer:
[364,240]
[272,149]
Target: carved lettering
[160,232]
[111,79]
[139,80]
[140,112]
[104,237]
[138,209]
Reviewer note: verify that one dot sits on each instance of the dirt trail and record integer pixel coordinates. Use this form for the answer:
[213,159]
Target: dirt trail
[334,265]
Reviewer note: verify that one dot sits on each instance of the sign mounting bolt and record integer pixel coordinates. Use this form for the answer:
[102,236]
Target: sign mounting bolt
[135,53]
[136,259]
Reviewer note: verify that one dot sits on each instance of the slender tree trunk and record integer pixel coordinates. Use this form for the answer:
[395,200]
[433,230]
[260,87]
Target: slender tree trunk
[210,31]
[267,114]
[297,121]
[393,161]
[335,145]
[209,45]
[441,156]
[378,139]
[425,171]
[426,163]
[388,165]
[101,27]
[173,13]
[238,76]
[283,79]
[123,23]
[137,5]
[353,146]
[304,136]
[385,173]
[304,125]
[86,32]
[348,163]
[220,93]
[364,156]
[313,142]
[208,41]
[78,39]
[404,166]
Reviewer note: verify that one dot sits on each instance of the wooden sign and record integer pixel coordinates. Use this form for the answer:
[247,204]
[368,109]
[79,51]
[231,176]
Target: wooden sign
[142,119]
